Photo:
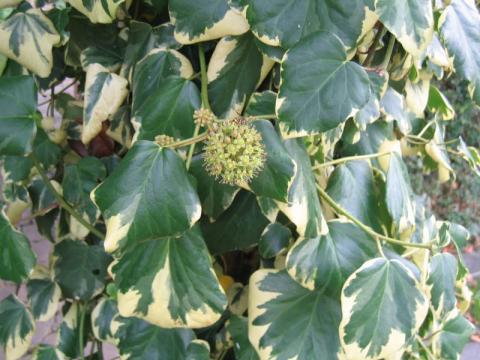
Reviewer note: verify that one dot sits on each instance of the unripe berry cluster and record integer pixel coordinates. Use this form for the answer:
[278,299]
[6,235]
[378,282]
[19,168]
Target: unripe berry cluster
[234,151]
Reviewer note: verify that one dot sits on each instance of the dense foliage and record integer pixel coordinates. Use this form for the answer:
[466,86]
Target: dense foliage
[226,179]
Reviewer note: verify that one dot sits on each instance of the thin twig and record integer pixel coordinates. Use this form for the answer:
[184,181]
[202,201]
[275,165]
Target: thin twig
[351,158]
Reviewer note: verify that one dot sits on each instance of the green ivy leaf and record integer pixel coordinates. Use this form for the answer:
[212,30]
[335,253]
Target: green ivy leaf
[28,38]
[237,326]
[46,352]
[371,111]
[286,320]
[80,269]
[204,20]
[104,94]
[69,332]
[382,307]
[169,282]
[316,89]
[325,262]
[275,238]
[352,186]
[455,334]
[137,339]
[215,196]
[441,283]
[276,177]
[438,103]
[148,196]
[17,327]
[46,151]
[242,224]
[16,168]
[43,297]
[459,27]
[234,71]
[18,259]
[198,350]
[411,21]
[285,22]
[399,194]
[18,101]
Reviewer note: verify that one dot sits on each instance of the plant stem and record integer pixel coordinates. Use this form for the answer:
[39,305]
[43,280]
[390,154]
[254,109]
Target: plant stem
[189,141]
[371,50]
[339,210]
[63,203]
[350,158]
[192,146]
[83,310]
[257,117]
[388,54]
[203,77]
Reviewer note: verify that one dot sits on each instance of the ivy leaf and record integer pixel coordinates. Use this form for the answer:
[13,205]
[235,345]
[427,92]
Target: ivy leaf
[441,283]
[28,38]
[286,320]
[382,307]
[78,181]
[411,21]
[454,336]
[43,297]
[242,224]
[459,27]
[275,238]
[101,320]
[46,352]
[97,11]
[18,101]
[325,262]
[148,196]
[234,71]
[87,278]
[371,111]
[352,186]
[104,94]
[46,151]
[18,259]
[167,110]
[277,174]
[438,103]
[204,20]
[142,39]
[303,206]
[316,88]
[394,107]
[237,326]
[300,19]
[17,327]
[198,350]
[399,194]
[137,339]
[169,282]
[215,196]
[69,332]
[16,168]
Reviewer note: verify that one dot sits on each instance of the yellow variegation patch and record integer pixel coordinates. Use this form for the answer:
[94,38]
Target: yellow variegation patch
[104,93]
[28,38]
[9,3]
[98,11]
[417,94]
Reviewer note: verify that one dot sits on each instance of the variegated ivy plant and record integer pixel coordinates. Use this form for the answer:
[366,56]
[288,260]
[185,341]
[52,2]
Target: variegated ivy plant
[226,179]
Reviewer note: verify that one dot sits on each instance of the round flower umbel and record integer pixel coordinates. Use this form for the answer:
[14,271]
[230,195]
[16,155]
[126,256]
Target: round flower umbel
[234,151]
[203,117]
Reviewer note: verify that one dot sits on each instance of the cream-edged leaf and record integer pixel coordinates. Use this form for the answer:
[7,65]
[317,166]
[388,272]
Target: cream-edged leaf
[148,196]
[28,38]
[441,283]
[455,334]
[237,327]
[46,352]
[101,319]
[169,282]
[97,11]
[320,88]
[17,327]
[104,94]
[203,20]
[43,297]
[382,308]
[411,21]
[289,321]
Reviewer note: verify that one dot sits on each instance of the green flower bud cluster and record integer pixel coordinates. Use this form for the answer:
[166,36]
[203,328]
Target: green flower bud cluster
[204,117]
[234,151]
[164,140]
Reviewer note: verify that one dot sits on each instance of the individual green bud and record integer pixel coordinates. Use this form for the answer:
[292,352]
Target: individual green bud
[234,152]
